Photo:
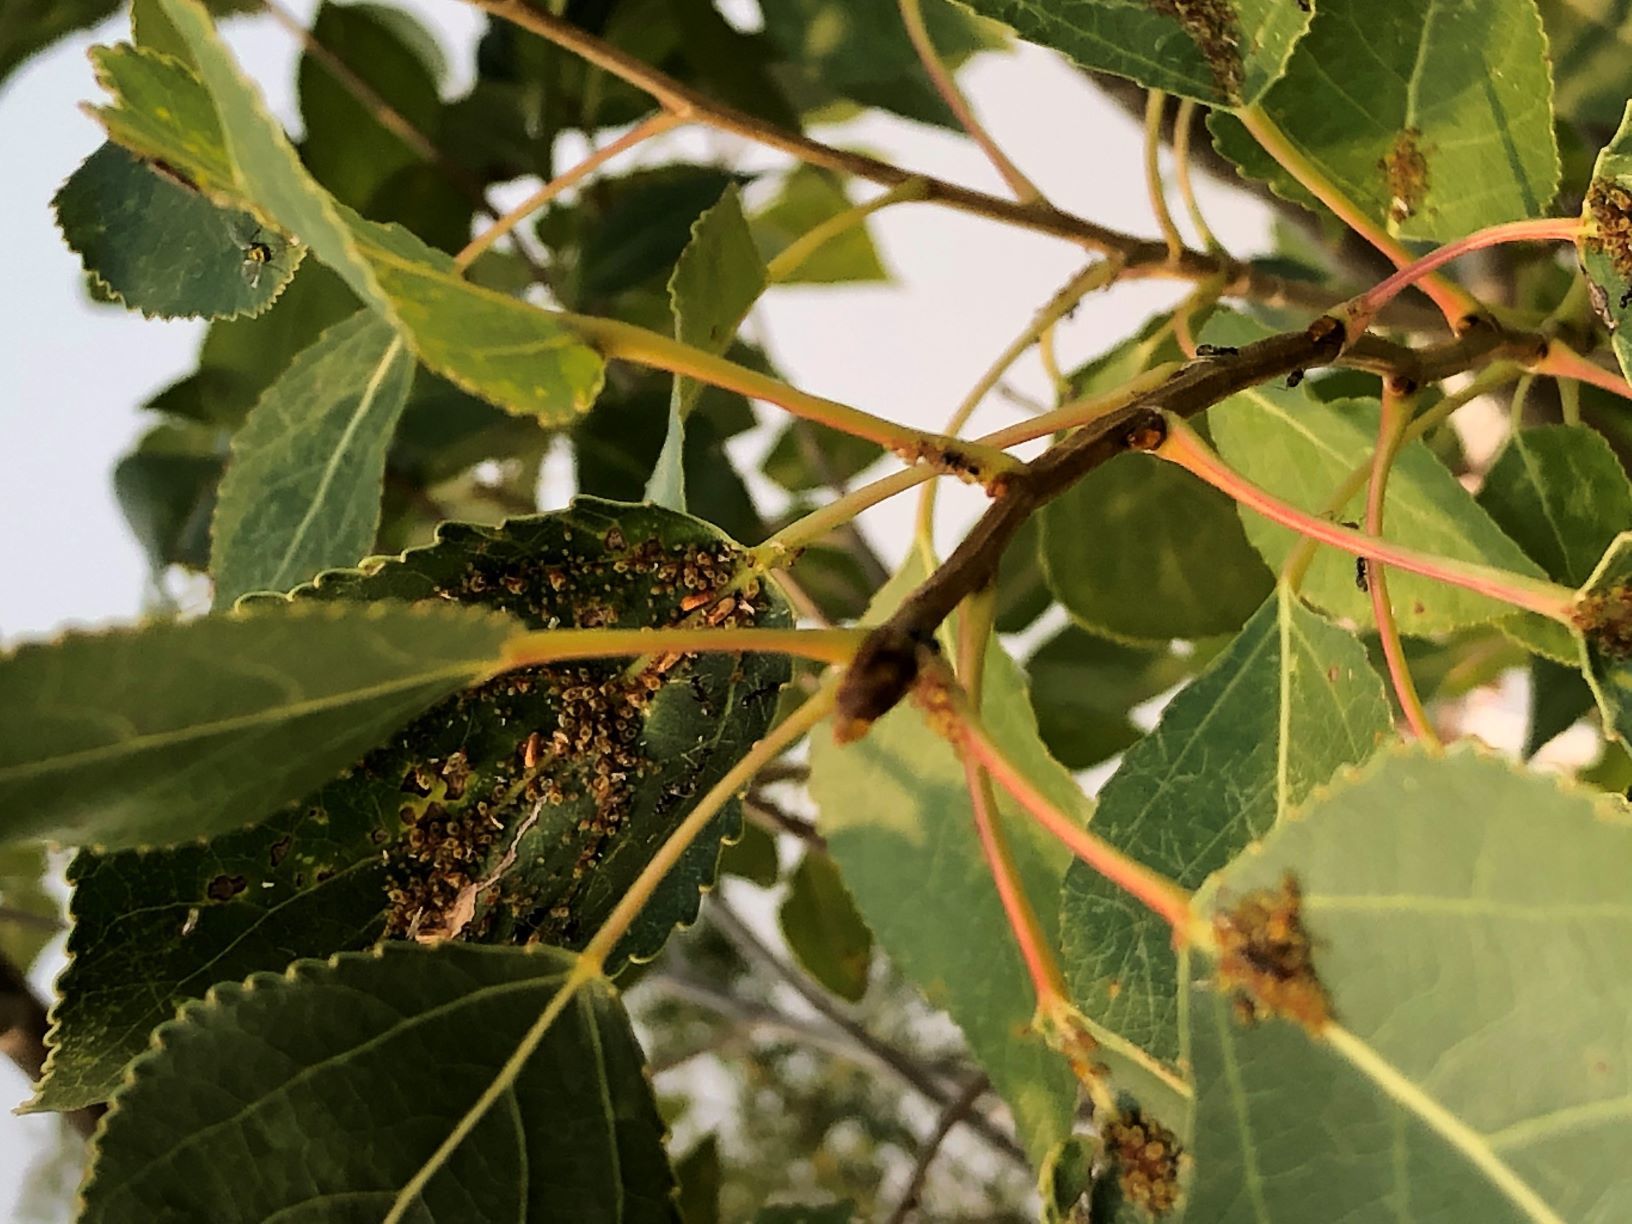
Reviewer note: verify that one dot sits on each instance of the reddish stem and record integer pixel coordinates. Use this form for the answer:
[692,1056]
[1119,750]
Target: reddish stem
[1562,361]
[1185,448]
[1363,309]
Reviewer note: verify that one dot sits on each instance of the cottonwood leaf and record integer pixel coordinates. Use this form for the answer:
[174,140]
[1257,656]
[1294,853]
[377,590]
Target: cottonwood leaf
[28,911]
[1287,703]
[823,929]
[895,811]
[1140,550]
[402,1040]
[1588,41]
[1222,52]
[32,25]
[172,731]
[165,250]
[808,197]
[1084,688]
[1459,909]
[302,488]
[716,282]
[1301,450]
[1605,238]
[1432,119]
[1559,492]
[556,783]
[520,357]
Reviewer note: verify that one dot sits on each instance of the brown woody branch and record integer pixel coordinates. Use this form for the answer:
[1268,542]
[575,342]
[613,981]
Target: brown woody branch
[887,664]
[1140,257]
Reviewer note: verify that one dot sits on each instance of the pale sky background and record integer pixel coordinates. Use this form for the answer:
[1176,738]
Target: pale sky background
[76,371]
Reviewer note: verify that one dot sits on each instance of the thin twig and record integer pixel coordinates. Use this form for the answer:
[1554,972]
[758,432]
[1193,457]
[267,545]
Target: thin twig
[899,1062]
[912,16]
[1183,125]
[956,1110]
[773,818]
[1141,257]
[1155,104]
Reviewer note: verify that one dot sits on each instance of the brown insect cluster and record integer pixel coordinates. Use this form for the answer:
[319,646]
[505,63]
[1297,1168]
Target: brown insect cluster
[1605,620]
[546,738]
[1266,958]
[1212,26]
[1610,207]
[1147,1159]
[1405,168]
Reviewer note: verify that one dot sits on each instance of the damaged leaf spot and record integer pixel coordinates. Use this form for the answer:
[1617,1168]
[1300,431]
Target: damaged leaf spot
[1610,207]
[1266,958]
[1406,171]
[1605,619]
[1147,1158]
[1212,26]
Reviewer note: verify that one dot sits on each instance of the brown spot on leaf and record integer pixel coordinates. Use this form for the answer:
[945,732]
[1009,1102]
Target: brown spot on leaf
[1266,958]
[1406,170]
[1147,1157]
[1610,207]
[1605,620]
[1212,26]
[225,887]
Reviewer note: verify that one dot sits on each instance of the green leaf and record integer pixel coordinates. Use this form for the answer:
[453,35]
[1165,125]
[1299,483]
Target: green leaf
[162,248]
[1559,492]
[699,1175]
[524,359]
[808,455]
[1222,52]
[1083,688]
[32,25]
[1290,700]
[1588,41]
[390,846]
[405,1040]
[823,929]
[861,52]
[752,856]
[1602,615]
[1301,450]
[640,233]
[346,148]
[166,489]
[1458,910]
[302,488]
[1605,239]
[28,911]
[1559,698]
[168,732]
[1022,589]
[716,282]
[810,196]
[1443,121]
[895,810]
[1142,551]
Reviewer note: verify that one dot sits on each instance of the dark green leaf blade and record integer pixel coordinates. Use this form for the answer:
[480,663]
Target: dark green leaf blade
[1224,52]
[1083,687]
[32,25]
[1141,551]
[716,282]
[1459,909]
[164,249]
[174,731]
[1602,615]
[404,1039]
[1290,700]
[389,847]
[1443,122]
[1559,492]
[302,489]
[823,929]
